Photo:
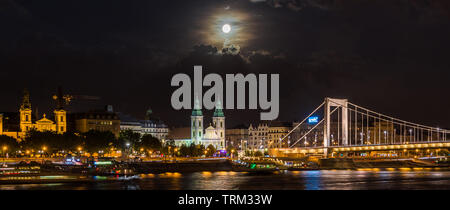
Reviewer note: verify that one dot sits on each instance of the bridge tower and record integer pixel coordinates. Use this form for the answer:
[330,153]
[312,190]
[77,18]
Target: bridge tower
[343,105]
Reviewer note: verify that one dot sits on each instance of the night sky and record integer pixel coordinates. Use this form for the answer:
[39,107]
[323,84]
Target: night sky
[392,56]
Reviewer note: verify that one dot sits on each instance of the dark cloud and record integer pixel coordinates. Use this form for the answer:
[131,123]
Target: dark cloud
[297,5]
[379,54]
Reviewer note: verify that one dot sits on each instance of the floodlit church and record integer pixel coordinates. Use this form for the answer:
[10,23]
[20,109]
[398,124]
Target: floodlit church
[16,125]
[214,134]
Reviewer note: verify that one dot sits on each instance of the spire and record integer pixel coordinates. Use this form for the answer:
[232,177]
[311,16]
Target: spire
[26,104]
[197,102]
[197,111]
[219,111]
[148,114]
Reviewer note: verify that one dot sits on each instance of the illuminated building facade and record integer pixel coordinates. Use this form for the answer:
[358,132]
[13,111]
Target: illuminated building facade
[266,134]
[214,134]
[235,136]
[100,120]
[149,126]
[16,126]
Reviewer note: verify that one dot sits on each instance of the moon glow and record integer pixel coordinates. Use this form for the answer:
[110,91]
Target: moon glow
[226,28]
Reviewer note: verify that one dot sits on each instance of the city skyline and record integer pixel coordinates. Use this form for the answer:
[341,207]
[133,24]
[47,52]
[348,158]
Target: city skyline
[390,55]
[224,103]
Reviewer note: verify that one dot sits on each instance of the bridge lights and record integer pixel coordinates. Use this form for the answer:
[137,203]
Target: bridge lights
[410,134]
[362,137]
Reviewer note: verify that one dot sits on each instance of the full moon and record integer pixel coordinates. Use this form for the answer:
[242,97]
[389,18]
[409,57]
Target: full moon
[226,28]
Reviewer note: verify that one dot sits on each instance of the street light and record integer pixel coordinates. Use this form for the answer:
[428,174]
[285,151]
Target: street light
[79,150]
[4,149]
[44,148]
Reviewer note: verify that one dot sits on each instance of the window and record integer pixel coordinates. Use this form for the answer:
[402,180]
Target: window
[61,119]
[62,129]
[193,133]
[221,124]
[200,134]
[26,119]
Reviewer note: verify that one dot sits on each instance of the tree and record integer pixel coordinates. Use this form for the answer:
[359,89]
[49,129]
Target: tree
[211,150]
[185,151]
[149,142]
[199,150]
[129,137]
[50,142]
[193,150]
[8,145]
[46,141]
[232,150]
[71,141]
[95,141]
[258,154]
[248,153]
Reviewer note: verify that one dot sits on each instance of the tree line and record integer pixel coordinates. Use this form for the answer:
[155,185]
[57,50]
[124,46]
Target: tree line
[100,142]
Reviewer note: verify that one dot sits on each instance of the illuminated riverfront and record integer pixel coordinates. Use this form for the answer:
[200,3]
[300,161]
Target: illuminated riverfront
[259,95]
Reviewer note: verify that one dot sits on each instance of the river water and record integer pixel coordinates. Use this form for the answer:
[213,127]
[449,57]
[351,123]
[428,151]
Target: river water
[363,179]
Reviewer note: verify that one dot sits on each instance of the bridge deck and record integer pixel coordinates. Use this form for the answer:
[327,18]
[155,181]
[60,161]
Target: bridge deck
[321,150]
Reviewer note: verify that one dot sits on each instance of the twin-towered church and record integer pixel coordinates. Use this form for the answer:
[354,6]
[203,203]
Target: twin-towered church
[214,134]
[26,122]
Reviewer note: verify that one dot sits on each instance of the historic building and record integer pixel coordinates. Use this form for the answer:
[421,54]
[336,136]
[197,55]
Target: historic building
[17,124]
[235,136]
[214,134]
[100,120]
[277,130]
[257,137]
[265,135]
[150,125]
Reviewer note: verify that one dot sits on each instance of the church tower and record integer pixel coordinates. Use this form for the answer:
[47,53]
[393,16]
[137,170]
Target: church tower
[219,122]
[61,121]
[60,113]
[197,123]
[1,124]
[25,112]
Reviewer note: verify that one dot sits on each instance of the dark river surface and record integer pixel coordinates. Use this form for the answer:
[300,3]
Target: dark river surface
[364,179]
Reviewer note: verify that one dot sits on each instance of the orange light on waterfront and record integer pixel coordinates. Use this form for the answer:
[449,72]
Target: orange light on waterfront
[5,148]
[44,148]
[79,148]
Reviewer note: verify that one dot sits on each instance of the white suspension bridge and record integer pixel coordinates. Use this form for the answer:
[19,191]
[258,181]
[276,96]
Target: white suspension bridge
[346,129]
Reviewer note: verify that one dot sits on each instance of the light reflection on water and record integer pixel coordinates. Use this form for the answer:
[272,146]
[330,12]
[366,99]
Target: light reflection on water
[228,180]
